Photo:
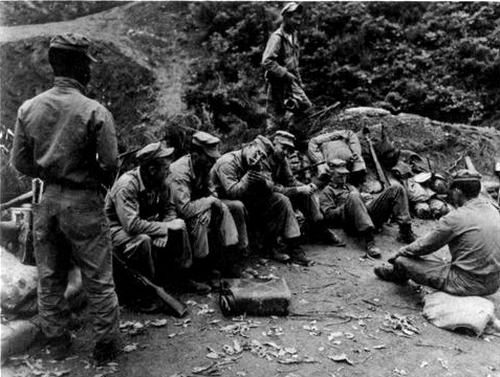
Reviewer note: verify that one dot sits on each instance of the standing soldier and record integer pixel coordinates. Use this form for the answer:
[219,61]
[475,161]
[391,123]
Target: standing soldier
[281,62]
[209,220]
[69,141]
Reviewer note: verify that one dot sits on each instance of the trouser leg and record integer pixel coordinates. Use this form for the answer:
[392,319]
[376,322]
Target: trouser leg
[198,233]
[53,262]
[281,217]
[427,271]
[392,201]
[308,205]
[356,215]
[84,224]
[136,251]
[239,213]
[275,106]
[224,226]
[443,276]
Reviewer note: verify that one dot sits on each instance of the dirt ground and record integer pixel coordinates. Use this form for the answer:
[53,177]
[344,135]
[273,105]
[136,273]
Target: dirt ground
[340,308]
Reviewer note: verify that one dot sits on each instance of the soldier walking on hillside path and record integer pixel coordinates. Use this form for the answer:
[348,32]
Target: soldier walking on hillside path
[281,62]
[69,141]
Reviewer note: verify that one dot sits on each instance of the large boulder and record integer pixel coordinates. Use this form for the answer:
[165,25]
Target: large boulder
[442,142]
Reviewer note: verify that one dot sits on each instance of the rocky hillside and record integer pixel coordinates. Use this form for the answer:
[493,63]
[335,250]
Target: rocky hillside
[152,59]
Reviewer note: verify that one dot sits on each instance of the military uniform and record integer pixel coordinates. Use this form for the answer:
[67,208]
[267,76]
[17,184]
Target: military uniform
[191,203]
[472,233]
[344,206]
[69,141]
[342,144]
[137,215]
[281,55]
[279,170]
[270,212]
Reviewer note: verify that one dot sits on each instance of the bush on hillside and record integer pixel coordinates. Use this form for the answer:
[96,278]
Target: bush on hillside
[439,60]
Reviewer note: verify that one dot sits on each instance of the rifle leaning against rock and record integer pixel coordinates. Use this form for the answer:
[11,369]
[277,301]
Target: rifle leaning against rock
[380,171]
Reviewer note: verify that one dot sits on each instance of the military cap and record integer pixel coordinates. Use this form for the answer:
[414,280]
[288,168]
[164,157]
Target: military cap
[153,151]
[465,176]
[338,165]
[207,142]
[290,8]
[285,138]
[73,42]
[265,144]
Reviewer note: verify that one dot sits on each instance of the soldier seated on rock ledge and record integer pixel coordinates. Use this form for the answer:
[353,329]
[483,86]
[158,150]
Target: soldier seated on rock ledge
[472,233]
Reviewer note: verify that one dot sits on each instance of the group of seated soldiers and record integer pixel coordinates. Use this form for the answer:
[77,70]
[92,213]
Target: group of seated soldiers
[199,216]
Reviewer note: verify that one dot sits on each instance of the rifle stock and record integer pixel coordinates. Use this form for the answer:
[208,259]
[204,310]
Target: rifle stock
[178,308]
[309,167]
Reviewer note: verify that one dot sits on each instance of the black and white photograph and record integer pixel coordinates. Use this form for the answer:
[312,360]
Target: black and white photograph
[250,188]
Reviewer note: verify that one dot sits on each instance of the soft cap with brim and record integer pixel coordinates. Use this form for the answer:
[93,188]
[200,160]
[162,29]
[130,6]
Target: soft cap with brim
[338,165]
[465,176]
[207,142]
[291,8]
[285,138]
[74,42]
[265,144]
[153,151]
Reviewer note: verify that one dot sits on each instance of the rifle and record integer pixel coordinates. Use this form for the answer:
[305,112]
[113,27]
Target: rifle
[380,171]
[178,308]
[308,167]
[323,111]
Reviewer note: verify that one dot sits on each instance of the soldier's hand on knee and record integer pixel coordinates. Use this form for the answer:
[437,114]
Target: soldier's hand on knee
[176,224]
[392,258]
[306,189]
[204,217]
[160,242]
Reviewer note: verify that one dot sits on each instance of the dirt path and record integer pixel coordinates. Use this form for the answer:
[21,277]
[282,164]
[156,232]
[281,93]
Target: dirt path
[344,308]
[118,28]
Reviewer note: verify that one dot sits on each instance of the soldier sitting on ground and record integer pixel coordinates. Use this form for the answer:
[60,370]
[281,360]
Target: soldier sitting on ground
[145,228]
[344,206]
[472,233]
[209,220]
[302,196]
[238,175]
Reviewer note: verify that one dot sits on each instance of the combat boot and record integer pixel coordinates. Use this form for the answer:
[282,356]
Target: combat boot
[106,351]
[387,272]
[406,234]
[332,238]
[60,348]
[372,250]
[279,256]
[297,255]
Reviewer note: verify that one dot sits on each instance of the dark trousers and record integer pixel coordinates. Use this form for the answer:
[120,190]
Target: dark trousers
[272,216]
[139,252]
[355,216]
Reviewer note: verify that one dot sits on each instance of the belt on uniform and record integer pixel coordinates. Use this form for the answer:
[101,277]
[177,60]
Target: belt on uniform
[68,185]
